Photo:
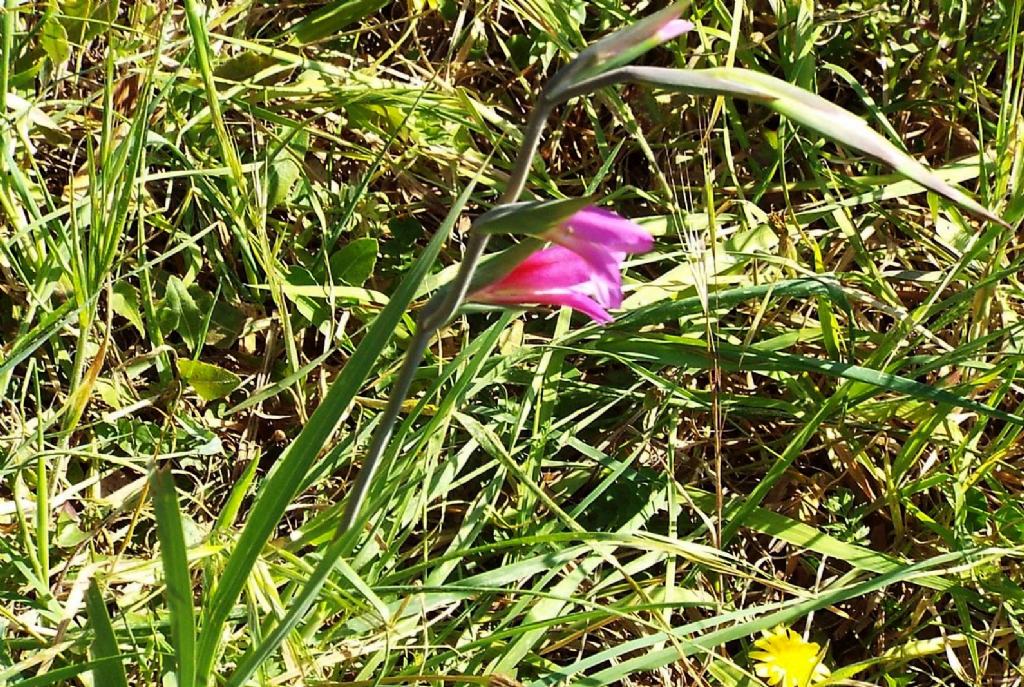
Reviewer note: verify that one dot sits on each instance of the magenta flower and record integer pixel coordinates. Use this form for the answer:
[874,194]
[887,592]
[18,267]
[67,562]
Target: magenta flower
[602,238]
[583,271]
[556,276]
[595,229]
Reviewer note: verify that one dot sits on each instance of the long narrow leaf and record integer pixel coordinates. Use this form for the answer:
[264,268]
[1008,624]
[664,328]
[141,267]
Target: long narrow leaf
[104,643]
[306,445]
[61,676]
[174,557]
[692,353]
[280,487]
[803,107]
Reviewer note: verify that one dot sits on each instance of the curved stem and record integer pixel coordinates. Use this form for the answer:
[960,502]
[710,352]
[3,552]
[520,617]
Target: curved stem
[375,451]
[698,81]
[435,315]
[443,306]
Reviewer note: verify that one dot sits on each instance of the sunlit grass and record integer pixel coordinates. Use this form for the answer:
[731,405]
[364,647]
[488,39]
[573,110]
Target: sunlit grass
[808,414]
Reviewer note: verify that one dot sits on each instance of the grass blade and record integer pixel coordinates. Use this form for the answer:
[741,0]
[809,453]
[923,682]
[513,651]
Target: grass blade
[692,353]
[332,18]
[305,447]
[803,107]
[60,676]
[280,487]
[176,575]
[104,643]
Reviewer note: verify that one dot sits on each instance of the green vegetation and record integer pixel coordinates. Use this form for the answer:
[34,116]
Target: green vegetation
[218,223]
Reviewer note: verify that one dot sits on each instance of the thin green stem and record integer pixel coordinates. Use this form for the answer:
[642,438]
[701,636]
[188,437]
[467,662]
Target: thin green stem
[446,303]
[6,50]
[357,494]
[435,315]
[42,496]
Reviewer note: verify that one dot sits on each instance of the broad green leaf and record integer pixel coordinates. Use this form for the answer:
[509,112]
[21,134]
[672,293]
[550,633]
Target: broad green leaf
[281,178]
[313,309]
[74,14]
[125,303]
[209,381]
[183,311]
[354,263]
[54,39]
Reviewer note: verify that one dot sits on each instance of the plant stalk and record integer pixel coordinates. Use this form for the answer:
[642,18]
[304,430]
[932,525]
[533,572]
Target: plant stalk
[436,314]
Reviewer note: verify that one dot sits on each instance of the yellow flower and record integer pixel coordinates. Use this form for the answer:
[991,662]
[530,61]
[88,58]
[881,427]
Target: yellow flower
[784,658]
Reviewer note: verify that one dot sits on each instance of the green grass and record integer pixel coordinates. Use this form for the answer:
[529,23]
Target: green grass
[218,223]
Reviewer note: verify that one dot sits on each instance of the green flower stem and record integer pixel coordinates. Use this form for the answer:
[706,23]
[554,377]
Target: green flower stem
[438,311]
[436,314]
[443,306]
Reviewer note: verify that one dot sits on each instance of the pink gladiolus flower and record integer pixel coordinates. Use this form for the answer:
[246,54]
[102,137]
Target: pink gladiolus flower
[556,276]
[583,269]
[602,238]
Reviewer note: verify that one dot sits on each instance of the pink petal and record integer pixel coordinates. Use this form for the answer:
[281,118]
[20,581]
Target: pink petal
[558,276]
[602,238]
[605,228]
[605,273]
[553,267]
[674,28]
[578,301]
[582,270]
[574,300]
